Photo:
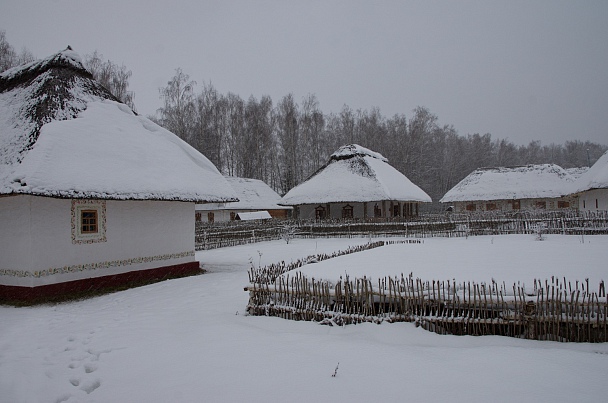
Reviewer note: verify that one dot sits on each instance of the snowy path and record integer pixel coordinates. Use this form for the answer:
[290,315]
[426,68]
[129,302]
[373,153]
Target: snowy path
[187,340]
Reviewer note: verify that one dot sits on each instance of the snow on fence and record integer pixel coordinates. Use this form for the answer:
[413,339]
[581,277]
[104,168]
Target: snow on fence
[557,310]
[571,222]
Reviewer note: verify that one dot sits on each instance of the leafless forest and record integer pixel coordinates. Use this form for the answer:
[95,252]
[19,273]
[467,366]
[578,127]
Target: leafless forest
[283,143]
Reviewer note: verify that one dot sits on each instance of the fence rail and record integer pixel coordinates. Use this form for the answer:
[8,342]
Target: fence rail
[558,309]
[570,222]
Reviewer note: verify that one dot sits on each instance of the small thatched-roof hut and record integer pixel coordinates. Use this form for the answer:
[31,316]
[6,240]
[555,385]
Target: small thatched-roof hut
[356,183]
[254,196]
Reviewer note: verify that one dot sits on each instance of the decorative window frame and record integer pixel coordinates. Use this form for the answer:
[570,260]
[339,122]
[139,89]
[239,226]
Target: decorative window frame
[78,237]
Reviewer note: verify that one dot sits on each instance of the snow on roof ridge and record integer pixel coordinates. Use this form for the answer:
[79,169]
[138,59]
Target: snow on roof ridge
[352,150]
[514,167]
[65,58]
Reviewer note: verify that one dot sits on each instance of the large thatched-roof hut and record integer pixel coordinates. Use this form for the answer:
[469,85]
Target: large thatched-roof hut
[91,194]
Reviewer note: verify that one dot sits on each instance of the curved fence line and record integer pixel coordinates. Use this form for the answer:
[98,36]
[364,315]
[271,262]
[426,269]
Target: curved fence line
[556,309]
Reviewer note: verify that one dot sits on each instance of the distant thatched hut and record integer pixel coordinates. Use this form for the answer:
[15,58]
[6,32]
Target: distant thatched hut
[356,183]
[528,187]
[254,196]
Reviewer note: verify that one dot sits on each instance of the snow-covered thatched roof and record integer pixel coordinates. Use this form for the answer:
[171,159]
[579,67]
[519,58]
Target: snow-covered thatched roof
[62,134]
[355,174]
[576,173]
[253,194]
[506,183]
[595,178]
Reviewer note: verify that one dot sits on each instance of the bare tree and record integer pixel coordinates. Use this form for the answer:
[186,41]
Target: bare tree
[177,113]
[235,122]
[312,132]
[288,136]
[210,123]
[115,78]
[9,57]
[7,53]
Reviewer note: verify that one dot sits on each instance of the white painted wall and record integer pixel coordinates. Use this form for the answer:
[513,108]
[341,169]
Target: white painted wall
[35,234]
[587,200]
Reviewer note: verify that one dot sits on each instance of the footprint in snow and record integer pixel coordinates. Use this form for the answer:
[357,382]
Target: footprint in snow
[90,386]
[88,368]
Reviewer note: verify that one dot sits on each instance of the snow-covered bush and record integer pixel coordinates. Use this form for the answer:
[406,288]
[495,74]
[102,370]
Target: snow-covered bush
[288,232]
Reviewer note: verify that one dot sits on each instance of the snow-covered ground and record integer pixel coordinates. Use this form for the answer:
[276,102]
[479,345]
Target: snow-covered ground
[189,340]
[512,259]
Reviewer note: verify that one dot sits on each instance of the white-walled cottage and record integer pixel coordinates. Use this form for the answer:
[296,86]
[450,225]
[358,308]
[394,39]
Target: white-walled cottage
[254,195]
[591,187]
[91,194]
[544,186]
[356,183]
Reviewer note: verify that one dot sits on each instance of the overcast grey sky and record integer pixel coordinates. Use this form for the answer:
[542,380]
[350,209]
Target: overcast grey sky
[520,70]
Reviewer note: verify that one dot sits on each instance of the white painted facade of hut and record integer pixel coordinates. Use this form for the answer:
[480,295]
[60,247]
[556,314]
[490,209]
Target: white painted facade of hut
[356,183]
[91,194]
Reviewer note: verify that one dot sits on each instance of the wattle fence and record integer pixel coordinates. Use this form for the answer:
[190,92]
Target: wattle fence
[557,310]
[570,222]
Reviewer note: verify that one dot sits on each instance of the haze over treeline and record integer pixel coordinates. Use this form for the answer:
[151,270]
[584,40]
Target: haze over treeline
[283,142]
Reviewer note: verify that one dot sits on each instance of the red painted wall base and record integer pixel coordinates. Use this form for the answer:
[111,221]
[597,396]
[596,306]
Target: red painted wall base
[69,289]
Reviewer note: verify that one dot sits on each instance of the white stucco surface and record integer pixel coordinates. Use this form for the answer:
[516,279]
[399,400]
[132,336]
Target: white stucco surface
[36,236]
[594,200]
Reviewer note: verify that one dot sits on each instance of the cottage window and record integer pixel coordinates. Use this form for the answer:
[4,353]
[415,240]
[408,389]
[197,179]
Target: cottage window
[198,216]
[490,206]
[541,204]
[232,216]
[347,211]
[210,217]
[320,213]
[88,221]
[516,204]
[563,204]
[396,210]
[471,207]
[377,211]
